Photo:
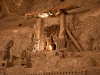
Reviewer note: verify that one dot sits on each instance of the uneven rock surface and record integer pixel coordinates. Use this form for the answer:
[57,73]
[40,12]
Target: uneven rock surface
[24,6]
[26,45]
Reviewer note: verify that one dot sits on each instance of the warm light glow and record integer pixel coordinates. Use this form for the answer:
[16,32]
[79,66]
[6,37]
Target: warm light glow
[49,47]
[57,13]
[43,15]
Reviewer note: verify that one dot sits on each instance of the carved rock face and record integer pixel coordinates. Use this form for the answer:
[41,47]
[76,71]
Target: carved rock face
[24,6]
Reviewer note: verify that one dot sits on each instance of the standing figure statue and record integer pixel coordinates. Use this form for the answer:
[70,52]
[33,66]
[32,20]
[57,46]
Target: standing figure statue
[7,50]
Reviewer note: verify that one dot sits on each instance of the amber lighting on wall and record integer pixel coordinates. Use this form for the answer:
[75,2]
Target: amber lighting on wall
[49,48]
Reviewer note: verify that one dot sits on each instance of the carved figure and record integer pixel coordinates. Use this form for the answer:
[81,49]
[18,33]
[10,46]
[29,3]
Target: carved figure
[7,55]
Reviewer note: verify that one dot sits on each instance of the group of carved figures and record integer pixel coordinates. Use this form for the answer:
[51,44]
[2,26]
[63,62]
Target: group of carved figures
[94,43]
[62,38]
[49,43]
[71,43]
[10,60]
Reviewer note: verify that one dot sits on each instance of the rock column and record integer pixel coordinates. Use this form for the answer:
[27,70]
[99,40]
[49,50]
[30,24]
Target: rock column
[62,34]
[39,32]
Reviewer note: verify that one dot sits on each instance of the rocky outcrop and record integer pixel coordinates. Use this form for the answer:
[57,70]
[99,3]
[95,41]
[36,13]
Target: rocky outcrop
[75,32]
[21,7]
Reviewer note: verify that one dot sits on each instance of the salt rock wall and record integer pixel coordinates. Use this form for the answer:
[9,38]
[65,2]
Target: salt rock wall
[90,27]
[78,26]
[21,7]
[21,40]
[8,7]
[84,26]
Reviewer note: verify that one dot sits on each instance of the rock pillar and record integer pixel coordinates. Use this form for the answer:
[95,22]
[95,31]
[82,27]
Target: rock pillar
[37,33]
[39,28]
[62,34]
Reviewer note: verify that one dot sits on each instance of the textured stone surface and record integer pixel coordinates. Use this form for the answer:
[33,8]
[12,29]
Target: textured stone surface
[21,39]
[84,26]
[24,6]
[90,26]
